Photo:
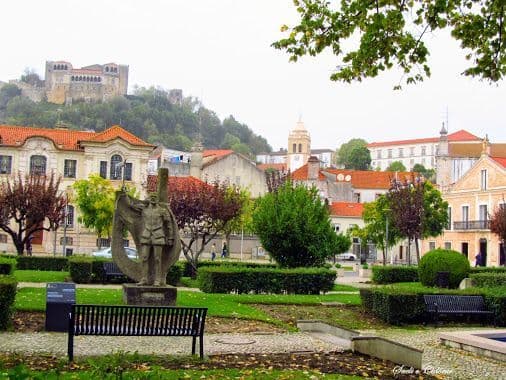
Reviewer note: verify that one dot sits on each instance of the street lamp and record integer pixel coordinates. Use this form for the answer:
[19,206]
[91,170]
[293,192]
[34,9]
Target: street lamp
[386,210]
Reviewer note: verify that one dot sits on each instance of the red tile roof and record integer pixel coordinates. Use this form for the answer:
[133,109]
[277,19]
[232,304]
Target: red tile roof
[65,139]
[346,209]
[461,135]
[278,167]
[216,152]
[174,182]
[500,160]
[301,174]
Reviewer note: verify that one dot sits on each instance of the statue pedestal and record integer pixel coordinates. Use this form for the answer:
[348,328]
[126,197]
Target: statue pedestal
[148,295]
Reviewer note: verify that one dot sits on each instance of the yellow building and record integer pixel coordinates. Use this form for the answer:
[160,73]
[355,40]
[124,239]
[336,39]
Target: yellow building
[471,200]
[115,154]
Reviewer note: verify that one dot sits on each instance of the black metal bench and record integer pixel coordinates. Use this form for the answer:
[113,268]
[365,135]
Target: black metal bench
[111,270]
[137,321]
[456,305]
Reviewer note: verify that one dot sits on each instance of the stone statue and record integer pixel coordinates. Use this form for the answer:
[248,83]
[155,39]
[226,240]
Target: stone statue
[153,228]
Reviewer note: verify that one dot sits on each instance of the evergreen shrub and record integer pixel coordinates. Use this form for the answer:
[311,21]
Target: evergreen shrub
[443,260]
[53,263]
[8,287]
[265,280]
[7,265]
[393,273]
[488,279]
[238,264]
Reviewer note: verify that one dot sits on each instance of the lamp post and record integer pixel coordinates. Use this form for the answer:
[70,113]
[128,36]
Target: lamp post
[386,235]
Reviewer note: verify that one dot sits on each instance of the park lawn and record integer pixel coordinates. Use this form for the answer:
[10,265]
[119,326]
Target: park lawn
[219,305]
[40,276]
[344,288]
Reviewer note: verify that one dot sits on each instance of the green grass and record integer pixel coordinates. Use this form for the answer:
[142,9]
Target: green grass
[189,282]
[40,276]
[220,305]
[344,288]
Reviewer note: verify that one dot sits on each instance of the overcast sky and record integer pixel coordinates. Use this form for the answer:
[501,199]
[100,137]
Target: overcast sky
[219,51]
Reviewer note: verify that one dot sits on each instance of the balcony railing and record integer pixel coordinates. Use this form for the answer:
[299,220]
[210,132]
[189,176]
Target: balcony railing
[472,225]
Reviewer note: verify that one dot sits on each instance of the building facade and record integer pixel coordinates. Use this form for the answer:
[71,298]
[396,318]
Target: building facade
[471,200]
[415,151]
[114,154]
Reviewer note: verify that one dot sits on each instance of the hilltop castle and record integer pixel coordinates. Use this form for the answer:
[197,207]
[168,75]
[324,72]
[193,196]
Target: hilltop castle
[64,84]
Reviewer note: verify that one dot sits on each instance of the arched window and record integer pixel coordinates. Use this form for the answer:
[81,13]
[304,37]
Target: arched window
[66,67]
[80,78]
[54,67]
[38,165]
[300,148]
[294,148]
[116,167]
[107,69]
[99,79]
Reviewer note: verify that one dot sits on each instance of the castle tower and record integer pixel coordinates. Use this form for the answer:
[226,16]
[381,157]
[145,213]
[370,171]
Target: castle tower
[299,147]
[443,162]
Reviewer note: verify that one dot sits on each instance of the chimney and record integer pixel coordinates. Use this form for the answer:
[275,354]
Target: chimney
[313,168]
[196,159]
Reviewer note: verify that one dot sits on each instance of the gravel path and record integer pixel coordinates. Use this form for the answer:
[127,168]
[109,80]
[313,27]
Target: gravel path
[457,364]
[56,343]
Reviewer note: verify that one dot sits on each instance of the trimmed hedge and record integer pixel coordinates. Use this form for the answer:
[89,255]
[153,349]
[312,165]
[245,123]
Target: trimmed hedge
[487,270]
[209,263]
[443,260]
[389,274]
[229,279]
[489,279]
[7,265]
[87,270]
[399,306]
[53,263]
[8,287]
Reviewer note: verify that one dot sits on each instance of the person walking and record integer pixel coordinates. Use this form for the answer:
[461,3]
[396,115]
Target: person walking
[213,252]
[224,250]
[478,258]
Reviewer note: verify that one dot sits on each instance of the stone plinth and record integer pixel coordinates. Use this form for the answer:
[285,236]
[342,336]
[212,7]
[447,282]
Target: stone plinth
[147,295]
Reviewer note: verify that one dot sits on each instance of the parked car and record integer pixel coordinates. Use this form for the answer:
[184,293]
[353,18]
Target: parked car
[347,256]
[107,253]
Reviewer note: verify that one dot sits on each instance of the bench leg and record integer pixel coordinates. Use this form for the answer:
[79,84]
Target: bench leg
[194,341]
[70,348]
[201,346]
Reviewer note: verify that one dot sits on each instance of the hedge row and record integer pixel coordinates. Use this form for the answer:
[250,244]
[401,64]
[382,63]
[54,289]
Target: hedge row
[398,307]
[389,274]
[8,286]
[53,263]
[86,270]
[7,265]
[228,279]
[487,270]
[208,263]
[489,279]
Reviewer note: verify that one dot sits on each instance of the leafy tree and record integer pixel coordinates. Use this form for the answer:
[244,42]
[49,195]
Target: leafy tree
[202,212]
[95,201]
[31,77]
[396,166]
[418,211]
[498,222]
[8,92]
[376,215]
[426,173]
[368,37]
[294,227]
[354,155]
[242,222]
[28,202]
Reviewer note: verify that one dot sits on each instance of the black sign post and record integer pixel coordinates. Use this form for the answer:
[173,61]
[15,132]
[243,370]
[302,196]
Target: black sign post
[59,298]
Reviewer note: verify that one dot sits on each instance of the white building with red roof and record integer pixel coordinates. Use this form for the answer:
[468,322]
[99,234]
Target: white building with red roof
[114,153]
[415,151]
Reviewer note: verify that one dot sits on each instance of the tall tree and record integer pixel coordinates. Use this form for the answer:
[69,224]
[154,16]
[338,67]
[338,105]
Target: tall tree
[293,225]
[368,37]
[498,222]
[379,229]
[354,155]
[396,166]
[8,92]
[95,200]
[32,203]
[426,173]
[417,210]
[202,212]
